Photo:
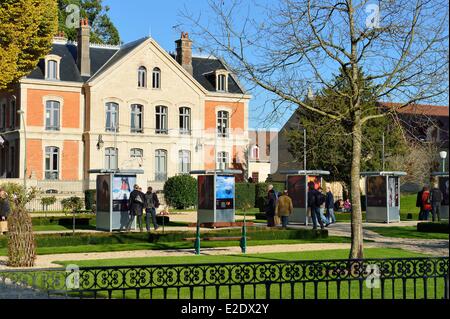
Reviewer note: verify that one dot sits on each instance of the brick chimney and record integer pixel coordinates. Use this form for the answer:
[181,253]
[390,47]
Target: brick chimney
[184,52]
[83,57]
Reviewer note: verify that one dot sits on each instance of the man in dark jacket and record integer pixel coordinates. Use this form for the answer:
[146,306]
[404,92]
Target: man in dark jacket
[151,204]
[314,206]
[271,206]
[436,200]
[329,206]
[136,205]
[419,203]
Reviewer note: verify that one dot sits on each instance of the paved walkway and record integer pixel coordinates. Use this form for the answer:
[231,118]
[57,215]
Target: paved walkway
[435,247]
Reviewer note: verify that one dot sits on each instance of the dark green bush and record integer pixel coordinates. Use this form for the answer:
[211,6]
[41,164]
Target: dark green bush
[63,221]
[442,227]
[90,198]
[260,216]
[245,195]
[255,233]
[181,191]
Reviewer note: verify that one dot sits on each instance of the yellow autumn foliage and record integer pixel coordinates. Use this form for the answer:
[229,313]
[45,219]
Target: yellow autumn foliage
[26,31]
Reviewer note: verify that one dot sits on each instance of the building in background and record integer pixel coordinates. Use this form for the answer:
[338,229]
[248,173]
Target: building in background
[89,106]
[261,159]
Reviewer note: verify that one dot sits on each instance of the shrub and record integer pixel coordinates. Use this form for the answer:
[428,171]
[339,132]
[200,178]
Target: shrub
[181,191]
[245,195]
[47,201]
[433,227]
[73,204]
[90,198]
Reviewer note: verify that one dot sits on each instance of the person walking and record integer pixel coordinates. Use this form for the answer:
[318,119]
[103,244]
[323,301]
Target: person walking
[314,206]
[271,206]
[329,206]
[4,210]
[436,200]
[419,203]
[284,208]
[426,203]
[151,204]
[136,205]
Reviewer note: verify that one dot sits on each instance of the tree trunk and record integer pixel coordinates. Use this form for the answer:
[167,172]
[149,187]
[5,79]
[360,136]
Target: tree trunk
[357,251]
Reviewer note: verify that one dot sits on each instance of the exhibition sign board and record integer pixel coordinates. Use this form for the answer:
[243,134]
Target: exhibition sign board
[444,188]
[216,196]
[383,196]
[113,193]
[297,186]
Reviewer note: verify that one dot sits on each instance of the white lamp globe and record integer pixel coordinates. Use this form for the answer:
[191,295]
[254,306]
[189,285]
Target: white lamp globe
[443,154]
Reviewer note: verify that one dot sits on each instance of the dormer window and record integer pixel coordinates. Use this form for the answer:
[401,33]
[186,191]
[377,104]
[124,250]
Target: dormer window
[52,67]
[222,81]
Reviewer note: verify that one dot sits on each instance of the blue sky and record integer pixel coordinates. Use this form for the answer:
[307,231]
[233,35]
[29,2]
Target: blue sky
[139,18]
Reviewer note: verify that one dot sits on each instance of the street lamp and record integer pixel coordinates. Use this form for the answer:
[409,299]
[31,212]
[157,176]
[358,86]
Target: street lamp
[443,156]
[22,115]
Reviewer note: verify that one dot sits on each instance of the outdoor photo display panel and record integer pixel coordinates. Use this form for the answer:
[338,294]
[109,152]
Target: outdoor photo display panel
[224,192]
[206,192]
[443,186]
[317,180]
[122,187]
[103,193]
[393,191]
[376,191]
[296,190]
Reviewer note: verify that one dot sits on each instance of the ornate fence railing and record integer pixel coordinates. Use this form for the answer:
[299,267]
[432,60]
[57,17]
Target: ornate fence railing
[402,278]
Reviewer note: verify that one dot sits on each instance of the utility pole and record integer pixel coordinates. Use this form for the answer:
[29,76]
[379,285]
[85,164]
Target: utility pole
[304,149]
[382,153]
[22,115]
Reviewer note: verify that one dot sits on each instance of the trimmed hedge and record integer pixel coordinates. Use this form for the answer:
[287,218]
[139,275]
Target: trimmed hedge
[90,196]
[63,221]
[255,233]
[245,195]
[442,227]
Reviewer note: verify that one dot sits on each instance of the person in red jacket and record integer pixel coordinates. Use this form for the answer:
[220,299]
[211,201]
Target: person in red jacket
[426,203]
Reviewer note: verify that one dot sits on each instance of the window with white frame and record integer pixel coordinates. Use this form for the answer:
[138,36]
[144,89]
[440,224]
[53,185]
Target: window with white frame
[112,117]
[111,158]
[142,77]
[156,78]
[52,115]
[13,114]
[184,160]
[160,165]
[255,152]
[161,120]
[52,163]
[185,120]
[136,118]
[137,153]
[52,70]
[222,160]
[221,83]
[223,121]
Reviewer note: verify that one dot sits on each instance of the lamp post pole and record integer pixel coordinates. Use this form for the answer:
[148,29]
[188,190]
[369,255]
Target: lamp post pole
[22,115]
[443,156]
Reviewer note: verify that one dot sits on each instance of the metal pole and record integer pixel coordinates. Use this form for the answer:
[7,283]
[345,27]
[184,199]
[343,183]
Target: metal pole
[21,112]
[443,165]
[382,153]
[244,234]
[304,149]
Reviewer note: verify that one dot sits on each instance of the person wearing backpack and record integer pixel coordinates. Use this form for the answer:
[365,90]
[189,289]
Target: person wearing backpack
[136,205]
[436,200]
[151,204]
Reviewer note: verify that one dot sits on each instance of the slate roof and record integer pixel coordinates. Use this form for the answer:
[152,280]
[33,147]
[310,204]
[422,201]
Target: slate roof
[103,58]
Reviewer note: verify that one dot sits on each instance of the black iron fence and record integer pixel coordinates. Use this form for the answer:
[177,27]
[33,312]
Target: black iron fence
[403,278]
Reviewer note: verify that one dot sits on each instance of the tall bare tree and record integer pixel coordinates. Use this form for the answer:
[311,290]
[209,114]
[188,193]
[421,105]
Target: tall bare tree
[286,46]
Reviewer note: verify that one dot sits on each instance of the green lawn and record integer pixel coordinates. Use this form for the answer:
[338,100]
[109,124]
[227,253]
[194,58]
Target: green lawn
[406,232]
[307,255]
[172,245]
